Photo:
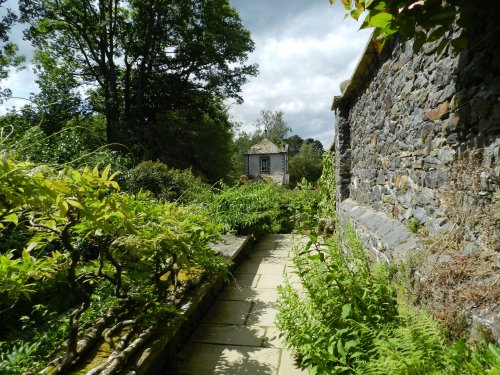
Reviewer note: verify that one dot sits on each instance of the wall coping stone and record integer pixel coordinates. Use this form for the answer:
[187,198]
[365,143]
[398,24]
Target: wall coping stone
[388,237]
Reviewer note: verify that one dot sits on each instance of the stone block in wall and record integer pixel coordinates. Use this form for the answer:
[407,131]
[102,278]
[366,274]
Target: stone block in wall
[438,112]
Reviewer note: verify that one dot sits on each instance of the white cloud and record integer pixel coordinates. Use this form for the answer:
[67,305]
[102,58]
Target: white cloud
[22,84]
[302,59]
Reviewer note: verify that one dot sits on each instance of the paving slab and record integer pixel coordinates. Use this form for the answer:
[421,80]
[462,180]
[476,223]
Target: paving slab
[288,365]
[228,312]
[272,338]
[249,294]
[270,260]
[261,268]
[246,279]
[262,314]
[270,281]
[228,334]
[206,359]
[268,252]
[239,334]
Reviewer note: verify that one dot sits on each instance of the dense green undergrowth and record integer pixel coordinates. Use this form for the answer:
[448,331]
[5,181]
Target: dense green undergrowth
[74,247]
[351,316]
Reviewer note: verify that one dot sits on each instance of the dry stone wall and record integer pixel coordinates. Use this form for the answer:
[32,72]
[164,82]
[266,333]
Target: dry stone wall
[420,137]
[418,150]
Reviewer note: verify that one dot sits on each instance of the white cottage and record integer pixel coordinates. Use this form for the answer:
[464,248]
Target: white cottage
[266,160]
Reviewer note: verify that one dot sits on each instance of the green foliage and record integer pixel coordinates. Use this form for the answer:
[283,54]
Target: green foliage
[197,138]
[105,246]
[165,183]
[427,21]
[123,52]
[413,225]
[295,143]
[272,125]
[327,186]
[333,325]
[304,203]
[417,345]
[40,334]
[79,142]
[251,208]
[18,277]
[347,318]
[306,164]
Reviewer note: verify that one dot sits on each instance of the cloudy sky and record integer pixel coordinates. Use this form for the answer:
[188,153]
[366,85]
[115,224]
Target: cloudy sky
[304,50]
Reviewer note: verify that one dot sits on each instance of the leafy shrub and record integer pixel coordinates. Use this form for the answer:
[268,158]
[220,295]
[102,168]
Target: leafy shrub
[304,203]
[139,246]
[251,208]
[417,345]
[166,183]
[80,142]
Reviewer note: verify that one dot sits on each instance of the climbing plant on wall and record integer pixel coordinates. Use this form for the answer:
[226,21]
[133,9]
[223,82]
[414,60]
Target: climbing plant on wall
[326,185]
[424,21]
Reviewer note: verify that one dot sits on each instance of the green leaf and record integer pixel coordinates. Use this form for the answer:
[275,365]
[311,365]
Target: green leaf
[356,354]
[105,172]
[63,207]
[112,177]
[436,34]
[460,43]
[346,310]
[495,350]
[419,41]
[11,218]
[351,344]
[356,13]
[340,348]
[441,47]
[75,204]
[381,20]
[346,4]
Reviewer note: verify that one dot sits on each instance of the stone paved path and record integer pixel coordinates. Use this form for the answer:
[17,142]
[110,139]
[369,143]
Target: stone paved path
[238,334]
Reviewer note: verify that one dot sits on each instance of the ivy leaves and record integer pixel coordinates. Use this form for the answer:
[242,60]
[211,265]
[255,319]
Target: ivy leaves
[425,22]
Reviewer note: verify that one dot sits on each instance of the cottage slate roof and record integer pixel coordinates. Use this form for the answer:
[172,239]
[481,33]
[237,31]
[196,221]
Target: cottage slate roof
[264,147]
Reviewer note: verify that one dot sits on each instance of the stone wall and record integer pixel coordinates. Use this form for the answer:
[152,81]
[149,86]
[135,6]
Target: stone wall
[418,145]
[419,135]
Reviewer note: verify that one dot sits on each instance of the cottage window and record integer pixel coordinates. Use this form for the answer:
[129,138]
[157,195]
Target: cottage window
[265,164]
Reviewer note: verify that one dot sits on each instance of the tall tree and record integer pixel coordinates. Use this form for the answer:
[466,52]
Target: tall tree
[307,163]
[200,138]
[143,57]
[272,125]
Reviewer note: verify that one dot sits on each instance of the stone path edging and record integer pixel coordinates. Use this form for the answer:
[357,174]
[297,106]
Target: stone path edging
[174,332]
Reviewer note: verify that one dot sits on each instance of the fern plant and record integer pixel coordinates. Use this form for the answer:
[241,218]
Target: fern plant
[417,345]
